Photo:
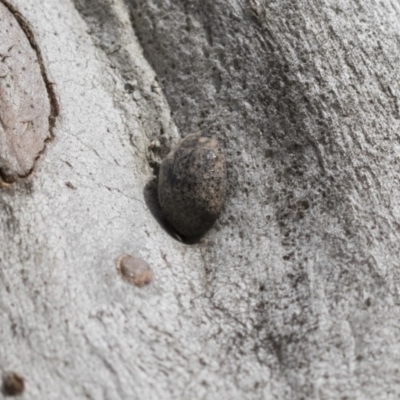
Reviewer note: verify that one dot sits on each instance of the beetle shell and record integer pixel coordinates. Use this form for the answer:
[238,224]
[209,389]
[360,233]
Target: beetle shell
[192,185]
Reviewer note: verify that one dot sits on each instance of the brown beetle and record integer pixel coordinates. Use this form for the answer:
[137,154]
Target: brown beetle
[192,185]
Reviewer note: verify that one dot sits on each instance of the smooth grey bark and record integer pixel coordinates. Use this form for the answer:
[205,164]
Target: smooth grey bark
[294,293]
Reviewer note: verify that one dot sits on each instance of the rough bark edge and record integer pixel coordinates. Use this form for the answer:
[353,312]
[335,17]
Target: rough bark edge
[54,106]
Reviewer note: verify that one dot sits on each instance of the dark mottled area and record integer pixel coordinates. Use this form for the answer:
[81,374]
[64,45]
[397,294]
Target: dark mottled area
[304,96]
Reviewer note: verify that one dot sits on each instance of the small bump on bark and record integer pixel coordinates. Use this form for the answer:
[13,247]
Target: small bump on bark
[134,270]
[13,384]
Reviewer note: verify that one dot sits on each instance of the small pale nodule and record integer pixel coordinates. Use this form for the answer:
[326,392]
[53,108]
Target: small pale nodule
[134,270]
[13,384]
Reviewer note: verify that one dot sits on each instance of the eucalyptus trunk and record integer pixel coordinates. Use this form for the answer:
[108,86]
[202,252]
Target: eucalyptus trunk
[294,291]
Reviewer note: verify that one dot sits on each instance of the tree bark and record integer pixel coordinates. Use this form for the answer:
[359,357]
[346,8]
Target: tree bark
[293,294]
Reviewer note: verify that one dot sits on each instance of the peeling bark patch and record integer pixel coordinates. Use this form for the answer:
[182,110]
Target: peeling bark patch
[13,384]
[28,107]
[134,270]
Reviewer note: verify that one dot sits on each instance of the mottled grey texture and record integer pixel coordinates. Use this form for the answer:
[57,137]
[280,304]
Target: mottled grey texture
[294,292]
[192,185]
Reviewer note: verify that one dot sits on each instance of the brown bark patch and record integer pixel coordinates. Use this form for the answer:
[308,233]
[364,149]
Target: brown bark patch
[27,102]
